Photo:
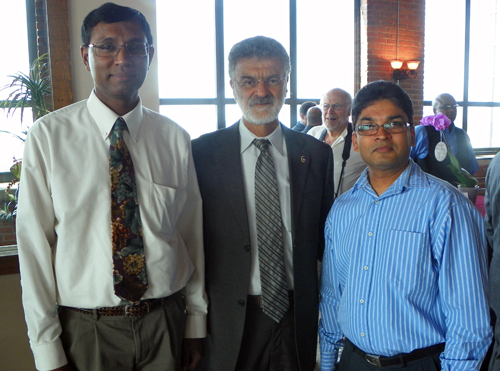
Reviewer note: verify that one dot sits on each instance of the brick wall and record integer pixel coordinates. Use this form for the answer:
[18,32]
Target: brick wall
[380,43]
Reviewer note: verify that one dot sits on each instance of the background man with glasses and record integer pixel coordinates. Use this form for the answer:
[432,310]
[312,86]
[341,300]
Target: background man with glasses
[109,220]
[426,138]
[336,132]
[266,192]
[404,271]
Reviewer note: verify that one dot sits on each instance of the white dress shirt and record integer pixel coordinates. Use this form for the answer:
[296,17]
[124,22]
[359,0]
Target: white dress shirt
[249,156]
[353,167]
[64,219]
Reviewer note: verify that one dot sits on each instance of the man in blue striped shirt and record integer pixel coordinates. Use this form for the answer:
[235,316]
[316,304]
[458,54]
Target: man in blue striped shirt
[404,272]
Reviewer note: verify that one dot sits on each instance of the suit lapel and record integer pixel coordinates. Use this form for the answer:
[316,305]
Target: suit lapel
[299,159]
[228,167]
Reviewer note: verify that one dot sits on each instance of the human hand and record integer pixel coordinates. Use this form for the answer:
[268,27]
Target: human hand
[192,351]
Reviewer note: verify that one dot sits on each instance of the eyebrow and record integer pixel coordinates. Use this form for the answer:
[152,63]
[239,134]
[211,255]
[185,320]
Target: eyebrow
[390,118]
[268,77]
[113,40]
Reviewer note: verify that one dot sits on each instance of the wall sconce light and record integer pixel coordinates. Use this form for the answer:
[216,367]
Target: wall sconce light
[402,74]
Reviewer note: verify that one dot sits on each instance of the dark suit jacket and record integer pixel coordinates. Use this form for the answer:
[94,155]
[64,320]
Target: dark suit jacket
[227,239]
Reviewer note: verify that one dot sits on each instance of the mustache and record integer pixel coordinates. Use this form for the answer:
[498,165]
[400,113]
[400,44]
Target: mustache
[258,100]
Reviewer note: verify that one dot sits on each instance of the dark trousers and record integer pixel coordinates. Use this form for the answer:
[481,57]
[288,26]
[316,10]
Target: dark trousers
[351,361]
[267,345]
[103,343]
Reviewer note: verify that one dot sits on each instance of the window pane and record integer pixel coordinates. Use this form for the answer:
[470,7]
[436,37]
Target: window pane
[484,83]
[481,133]
[325,59]
[444,48]
[12,17]
[196,120]
[186,49]
[260,17]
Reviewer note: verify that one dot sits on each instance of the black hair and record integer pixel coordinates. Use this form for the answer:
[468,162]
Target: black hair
[304,107]
[381,90]
[112,13]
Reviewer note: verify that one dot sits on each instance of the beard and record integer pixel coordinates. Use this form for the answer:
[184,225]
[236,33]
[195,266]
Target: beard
[265,115]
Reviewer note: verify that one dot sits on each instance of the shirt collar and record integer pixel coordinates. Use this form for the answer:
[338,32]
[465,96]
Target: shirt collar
[247,137]
[411,177]
[105,117]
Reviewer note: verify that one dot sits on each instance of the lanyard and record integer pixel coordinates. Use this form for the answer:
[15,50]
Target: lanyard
[345,153]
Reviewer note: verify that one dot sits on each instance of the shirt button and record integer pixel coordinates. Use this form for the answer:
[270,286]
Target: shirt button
[376,202]
[362,334]
[247,248]
[370,234]
[361,301]
[241,303]
[365,267]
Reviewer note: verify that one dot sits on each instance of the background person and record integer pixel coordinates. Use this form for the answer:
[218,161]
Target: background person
[426,138]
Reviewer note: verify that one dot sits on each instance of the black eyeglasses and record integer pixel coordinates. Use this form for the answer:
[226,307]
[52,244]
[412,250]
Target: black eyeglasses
[135,49]
[393,127]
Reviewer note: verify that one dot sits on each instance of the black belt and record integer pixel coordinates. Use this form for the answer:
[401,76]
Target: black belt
[399,359]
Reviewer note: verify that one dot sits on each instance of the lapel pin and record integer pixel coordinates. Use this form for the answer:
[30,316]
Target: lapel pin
[303,159]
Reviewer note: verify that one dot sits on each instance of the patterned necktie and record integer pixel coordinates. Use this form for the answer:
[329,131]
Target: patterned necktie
[129,264]
[270,235]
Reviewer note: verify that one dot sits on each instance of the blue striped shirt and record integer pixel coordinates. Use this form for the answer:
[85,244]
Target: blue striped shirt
[405,270]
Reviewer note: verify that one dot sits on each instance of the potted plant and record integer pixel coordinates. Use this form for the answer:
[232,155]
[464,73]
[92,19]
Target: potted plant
[25,91]
[467,183]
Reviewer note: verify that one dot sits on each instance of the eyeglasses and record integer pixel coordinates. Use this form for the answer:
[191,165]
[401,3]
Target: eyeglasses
[448,106]
[135,49]
[335,107]
[249,83]
[389,127]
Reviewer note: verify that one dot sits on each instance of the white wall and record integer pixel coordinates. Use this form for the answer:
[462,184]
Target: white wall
[82,81]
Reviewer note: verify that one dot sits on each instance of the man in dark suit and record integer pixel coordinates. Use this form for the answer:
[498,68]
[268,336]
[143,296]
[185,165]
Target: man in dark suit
[248,327]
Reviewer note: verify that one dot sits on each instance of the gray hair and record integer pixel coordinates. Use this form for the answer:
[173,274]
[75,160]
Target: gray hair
[258,47]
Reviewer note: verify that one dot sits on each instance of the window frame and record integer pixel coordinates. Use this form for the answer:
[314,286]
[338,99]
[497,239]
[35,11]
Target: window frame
[465,103]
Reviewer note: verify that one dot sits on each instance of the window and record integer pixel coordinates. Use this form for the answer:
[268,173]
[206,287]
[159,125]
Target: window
[462,57]
[13,17]
[192,55]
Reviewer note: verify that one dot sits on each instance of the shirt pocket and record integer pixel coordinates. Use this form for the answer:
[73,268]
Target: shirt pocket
[406,258]
[163,211]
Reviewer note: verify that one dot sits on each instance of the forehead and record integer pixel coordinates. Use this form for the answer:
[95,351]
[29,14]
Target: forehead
[257,67]
[445,100]
[127,30]
[334,97]
[382,111]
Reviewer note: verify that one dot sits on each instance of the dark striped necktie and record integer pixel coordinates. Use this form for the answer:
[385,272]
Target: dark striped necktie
[270,235]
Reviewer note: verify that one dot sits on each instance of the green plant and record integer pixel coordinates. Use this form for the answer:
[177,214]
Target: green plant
[31,91]
[25,91]
[465,179]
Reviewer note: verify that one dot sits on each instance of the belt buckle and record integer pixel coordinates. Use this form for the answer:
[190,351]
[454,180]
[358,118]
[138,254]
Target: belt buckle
[126,310]
[373,360]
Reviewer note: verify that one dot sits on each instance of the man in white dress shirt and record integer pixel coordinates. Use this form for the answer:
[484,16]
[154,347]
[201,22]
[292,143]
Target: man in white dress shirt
[75,320]
[336,131]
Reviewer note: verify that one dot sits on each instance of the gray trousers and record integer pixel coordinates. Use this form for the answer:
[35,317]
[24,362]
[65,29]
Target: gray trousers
[104,343]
